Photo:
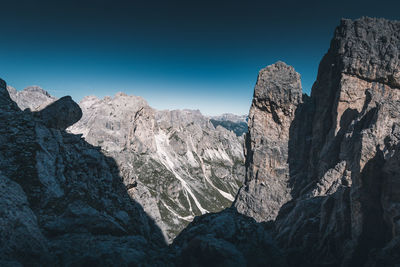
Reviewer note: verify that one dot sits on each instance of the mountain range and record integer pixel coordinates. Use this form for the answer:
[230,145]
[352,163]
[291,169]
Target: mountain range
[314,181]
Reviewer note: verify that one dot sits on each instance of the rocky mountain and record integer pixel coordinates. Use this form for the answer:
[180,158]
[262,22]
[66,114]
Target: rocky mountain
[176,164]
[231,122]
[33,97]
[62,202]
[322,172]
[322,178]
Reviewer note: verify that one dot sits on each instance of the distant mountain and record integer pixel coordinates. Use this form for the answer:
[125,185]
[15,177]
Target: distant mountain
[176,164]
[181,165]
[33,97]
[231,122]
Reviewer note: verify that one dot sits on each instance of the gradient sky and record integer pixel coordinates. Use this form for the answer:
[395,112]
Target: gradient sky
[176,54]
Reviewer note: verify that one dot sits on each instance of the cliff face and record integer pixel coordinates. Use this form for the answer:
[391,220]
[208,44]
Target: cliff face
[277,95]
[351,199]
[325,168]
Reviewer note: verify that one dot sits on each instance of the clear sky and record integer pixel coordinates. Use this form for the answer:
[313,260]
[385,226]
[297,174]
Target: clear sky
[176,54]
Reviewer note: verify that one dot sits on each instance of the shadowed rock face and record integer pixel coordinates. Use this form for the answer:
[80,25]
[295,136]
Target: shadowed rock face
[327,165]
[61,114]
[62,202]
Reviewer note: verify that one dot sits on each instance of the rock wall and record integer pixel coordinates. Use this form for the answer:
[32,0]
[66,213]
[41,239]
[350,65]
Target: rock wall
[322,174]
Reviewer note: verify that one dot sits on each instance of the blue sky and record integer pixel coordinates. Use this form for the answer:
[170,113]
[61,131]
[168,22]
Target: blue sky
[176,54]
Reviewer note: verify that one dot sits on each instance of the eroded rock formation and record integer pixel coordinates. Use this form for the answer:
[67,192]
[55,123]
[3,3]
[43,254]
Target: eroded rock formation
[327,165]
[276,97]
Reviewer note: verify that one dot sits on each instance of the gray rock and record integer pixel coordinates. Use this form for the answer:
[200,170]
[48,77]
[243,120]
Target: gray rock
[181,164]
[61,114]
[227,238]
[33,97]
[62,201]
[276,97]
[332,178]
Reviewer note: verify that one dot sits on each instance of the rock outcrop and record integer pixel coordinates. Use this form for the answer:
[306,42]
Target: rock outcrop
[276,97]
[61,114]
[176,164]
[323,170]
[62,202]
[347,203]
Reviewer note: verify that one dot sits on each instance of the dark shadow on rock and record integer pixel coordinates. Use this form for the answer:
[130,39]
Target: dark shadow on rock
[299,146]
[82,209]
[227,238]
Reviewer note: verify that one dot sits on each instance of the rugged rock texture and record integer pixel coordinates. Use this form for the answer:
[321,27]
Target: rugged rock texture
[276,97]
[226,239]
[322,170]
[176,164]
[354,136]
[61,114]
[33,97]
[62,202]
[333,177]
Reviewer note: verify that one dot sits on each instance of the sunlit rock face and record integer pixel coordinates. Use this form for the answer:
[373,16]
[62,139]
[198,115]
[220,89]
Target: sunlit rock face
[276,97]
[176,164]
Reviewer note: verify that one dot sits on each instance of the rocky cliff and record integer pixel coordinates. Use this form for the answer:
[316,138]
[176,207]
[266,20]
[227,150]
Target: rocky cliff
[176,164]
[277,95]
[322,175]
[62,201]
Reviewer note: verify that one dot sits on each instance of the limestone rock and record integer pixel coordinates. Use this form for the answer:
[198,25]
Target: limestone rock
[276,97]
[227,238]
[33,97]
[61,114]
[183,166]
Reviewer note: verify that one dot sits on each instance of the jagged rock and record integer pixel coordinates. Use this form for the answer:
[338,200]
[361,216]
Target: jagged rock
[62,201]
[276,97]
[33,97]
[334,172]
[353,137]
[181,164]
[337,192]
[61,114]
